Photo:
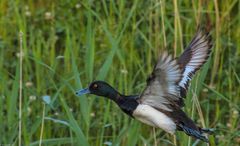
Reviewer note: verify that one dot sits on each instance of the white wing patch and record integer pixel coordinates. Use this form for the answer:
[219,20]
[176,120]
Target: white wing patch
[198,51]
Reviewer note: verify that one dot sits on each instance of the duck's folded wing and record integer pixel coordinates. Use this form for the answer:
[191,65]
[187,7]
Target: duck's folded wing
[193,57]
[162,89]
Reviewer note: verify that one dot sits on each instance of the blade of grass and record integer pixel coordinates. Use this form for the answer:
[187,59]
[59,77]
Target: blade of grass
[83,100]
[108,62]
[55,141]
[81,139]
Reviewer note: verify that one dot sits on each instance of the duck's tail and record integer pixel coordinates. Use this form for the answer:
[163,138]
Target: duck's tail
[197,133]
[188,126]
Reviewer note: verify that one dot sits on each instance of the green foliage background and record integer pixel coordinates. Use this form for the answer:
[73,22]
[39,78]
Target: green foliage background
[67,44]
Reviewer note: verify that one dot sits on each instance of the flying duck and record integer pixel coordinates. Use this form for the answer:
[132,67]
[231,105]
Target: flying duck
[160,104]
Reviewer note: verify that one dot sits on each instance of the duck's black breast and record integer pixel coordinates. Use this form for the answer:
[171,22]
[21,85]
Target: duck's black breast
[128,103]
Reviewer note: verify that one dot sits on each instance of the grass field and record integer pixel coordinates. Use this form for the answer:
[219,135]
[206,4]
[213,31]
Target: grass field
[68,44]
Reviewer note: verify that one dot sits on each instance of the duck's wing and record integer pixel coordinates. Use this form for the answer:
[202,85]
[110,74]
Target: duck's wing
[193,57]
[162,89]
[169,81]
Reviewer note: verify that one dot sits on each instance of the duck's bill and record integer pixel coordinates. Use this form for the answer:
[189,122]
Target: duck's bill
[82,92]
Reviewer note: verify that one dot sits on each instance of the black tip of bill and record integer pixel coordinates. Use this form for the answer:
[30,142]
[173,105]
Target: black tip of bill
[82,92]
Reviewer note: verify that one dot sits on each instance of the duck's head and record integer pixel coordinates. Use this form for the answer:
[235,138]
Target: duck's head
[99,88]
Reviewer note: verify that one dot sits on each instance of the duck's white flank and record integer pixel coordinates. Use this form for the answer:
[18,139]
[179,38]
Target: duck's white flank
[155,118]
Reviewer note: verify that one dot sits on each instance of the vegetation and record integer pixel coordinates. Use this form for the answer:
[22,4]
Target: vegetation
[68,44]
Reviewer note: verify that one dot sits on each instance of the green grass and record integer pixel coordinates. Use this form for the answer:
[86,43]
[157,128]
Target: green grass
[68,44]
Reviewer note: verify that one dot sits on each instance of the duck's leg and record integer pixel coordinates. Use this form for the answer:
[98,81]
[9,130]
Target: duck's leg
[207,130]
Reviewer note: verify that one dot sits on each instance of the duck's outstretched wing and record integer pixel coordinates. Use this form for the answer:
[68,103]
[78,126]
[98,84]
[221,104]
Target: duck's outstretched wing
[162,89]
[193,57]
[169,81]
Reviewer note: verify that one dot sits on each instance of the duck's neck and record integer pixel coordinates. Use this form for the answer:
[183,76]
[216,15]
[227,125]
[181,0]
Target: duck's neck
[115,96]
[127,103]
[112,94]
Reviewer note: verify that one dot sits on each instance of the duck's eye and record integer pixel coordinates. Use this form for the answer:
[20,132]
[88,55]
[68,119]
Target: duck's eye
[95,86]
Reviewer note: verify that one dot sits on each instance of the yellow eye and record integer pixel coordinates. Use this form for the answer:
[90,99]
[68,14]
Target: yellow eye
[95,86]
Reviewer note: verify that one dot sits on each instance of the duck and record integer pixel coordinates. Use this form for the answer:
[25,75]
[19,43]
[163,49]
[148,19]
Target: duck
[161,101]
